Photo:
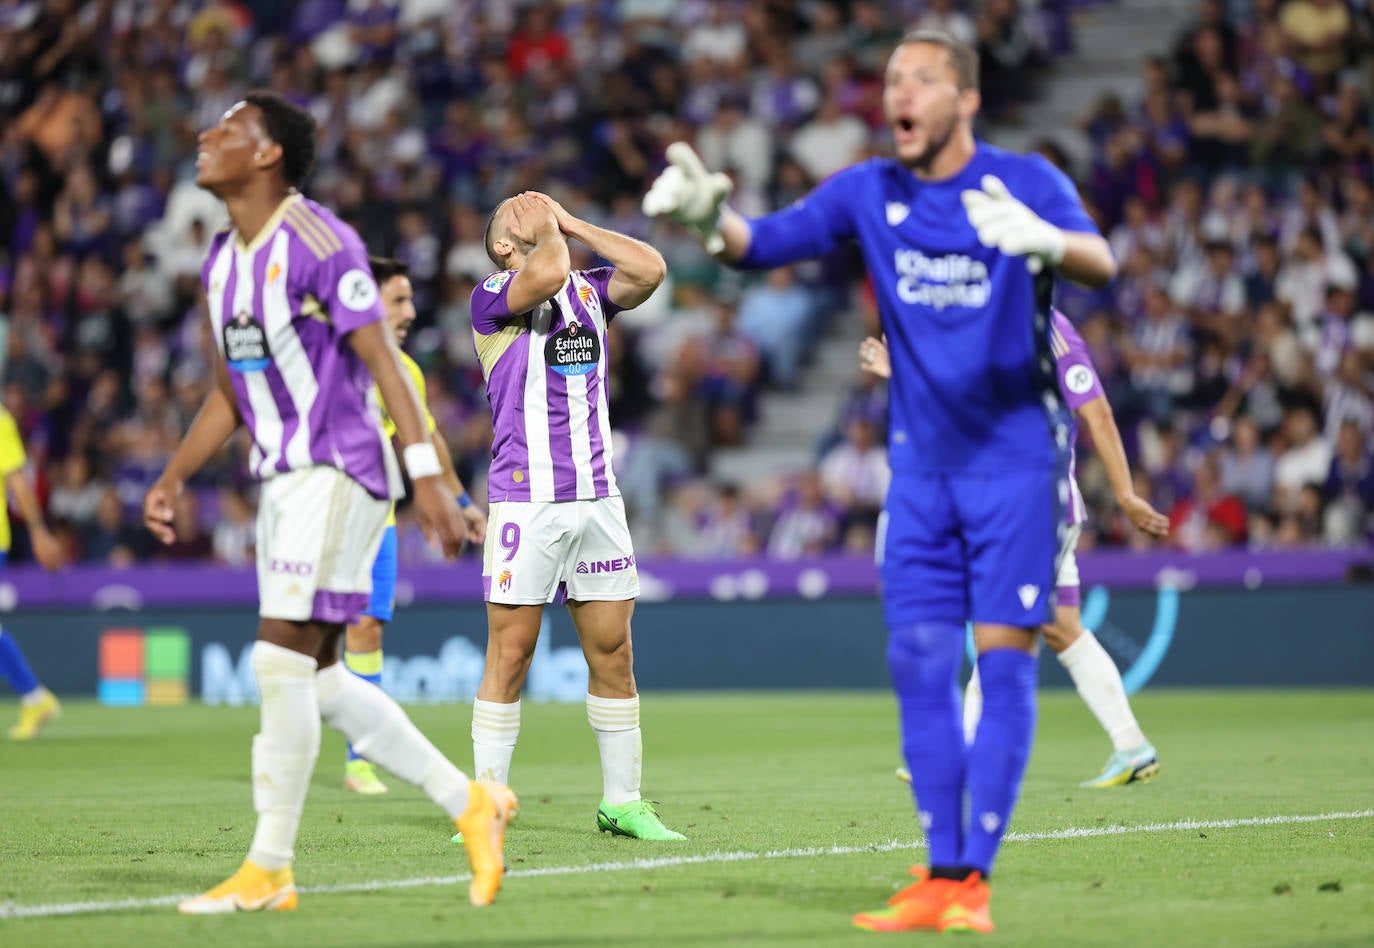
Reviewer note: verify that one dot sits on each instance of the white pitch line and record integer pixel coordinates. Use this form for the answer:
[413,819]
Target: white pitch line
[668,862]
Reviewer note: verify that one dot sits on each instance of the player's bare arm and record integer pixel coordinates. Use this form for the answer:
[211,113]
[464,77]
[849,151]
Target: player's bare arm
[473,518]
[1097,415]
[438,513]
[545,268]
[1087,259]
[46,549]
[216,421]
[639,268]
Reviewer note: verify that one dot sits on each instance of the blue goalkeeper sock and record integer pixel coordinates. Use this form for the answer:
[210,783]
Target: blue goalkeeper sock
[14,667]
[924,660]
[997,759]
[368,667]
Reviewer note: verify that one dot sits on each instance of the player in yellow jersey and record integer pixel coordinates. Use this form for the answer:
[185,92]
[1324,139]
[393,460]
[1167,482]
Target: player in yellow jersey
[37,704]
[363,641]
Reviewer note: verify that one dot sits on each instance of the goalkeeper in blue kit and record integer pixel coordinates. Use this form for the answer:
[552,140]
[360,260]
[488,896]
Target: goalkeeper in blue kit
[962,241]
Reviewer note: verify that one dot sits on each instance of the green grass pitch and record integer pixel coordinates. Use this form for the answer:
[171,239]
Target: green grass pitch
[793,816]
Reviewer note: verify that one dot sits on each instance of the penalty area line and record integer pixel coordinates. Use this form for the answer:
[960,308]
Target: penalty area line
[8,911]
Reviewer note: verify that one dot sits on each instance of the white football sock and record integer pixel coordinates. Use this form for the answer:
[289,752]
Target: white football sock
[615,721]
[284,750]
[495,729]
[1098,682]
[973,706]
[380,731]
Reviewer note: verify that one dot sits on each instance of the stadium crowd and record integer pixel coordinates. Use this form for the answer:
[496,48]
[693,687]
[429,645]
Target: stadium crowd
[1237,345]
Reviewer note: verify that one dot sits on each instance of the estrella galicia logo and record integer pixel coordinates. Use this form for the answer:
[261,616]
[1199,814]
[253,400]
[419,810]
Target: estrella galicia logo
[572,350]
[245,344]
[587,567]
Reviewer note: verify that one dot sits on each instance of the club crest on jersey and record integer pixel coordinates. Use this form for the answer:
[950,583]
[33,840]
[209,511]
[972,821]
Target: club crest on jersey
[245,344]
[273,273]
[896,212]
[584,293]
[572,351]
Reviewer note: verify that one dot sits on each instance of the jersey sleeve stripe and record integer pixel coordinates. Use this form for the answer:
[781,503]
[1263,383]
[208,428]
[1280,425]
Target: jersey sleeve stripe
[318,237]
[308,237]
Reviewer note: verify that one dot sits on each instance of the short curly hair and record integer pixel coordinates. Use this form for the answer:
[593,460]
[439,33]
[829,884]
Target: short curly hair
[291,127]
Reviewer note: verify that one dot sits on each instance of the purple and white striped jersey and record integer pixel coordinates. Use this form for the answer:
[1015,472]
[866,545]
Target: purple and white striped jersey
[546,379]
[281,309]
[1079,384]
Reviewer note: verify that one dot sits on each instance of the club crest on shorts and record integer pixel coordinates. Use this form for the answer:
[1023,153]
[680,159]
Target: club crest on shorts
[503,580]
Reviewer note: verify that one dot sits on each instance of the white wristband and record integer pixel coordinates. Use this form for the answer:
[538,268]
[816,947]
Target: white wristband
[421,460]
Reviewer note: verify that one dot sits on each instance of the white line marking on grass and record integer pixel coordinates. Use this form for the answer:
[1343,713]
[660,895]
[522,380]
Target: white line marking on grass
[668,862]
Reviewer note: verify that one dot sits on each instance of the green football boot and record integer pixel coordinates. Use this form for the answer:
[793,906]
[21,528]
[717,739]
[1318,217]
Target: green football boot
[635,819]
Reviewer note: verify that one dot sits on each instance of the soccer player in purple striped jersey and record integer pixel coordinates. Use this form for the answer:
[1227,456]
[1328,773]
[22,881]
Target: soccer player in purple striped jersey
[963,241]
[1094,673]
[556,516]
[301,337]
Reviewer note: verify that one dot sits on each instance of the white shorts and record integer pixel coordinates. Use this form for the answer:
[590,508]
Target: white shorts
[532,547]
[1068,562]
[318,533]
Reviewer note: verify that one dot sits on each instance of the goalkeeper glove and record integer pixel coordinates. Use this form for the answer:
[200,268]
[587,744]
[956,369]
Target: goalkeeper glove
[690,195]
[1005,223]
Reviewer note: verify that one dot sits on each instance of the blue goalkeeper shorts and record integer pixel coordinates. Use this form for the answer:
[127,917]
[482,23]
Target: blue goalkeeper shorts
[382,605]
[980,548]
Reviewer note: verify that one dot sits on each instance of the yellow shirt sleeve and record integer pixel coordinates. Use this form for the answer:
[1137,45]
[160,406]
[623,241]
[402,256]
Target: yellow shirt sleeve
[418,377]
[11,447]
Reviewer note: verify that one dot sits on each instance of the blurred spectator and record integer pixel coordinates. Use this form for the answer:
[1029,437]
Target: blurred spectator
[1305,460]
[75,499]
[111,538]
[1247,466]
[727,367]
[728,528]
[855,473]
[780,316]
[1158,355]
[1318,31]
[944,16]
[1208,518]
[234,536]
[829,142]
[807,524]
[1349,487]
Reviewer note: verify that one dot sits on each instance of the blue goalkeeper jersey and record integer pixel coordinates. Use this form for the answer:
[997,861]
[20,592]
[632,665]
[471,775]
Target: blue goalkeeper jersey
[973,383]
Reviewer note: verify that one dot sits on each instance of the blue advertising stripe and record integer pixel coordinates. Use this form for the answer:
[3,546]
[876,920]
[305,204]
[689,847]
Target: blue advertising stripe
[1095,607]
[1166,619]
[122,692]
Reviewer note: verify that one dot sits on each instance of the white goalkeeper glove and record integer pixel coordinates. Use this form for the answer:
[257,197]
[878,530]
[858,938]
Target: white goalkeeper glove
[1005,223]
[690,195]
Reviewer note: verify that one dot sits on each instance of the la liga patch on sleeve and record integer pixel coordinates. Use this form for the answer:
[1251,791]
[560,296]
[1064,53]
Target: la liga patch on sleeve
[357,290]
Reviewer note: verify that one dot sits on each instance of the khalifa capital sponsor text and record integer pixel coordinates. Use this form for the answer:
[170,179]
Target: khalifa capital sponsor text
[556,674]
